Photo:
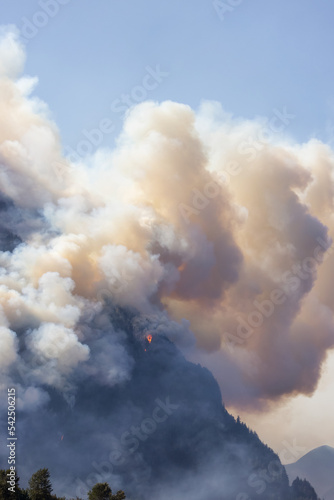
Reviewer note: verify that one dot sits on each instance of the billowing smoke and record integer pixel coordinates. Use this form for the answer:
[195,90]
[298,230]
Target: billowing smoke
[212,231]
[197,220]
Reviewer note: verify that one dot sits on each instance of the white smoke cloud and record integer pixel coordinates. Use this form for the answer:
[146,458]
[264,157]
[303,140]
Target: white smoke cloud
[31,398]
[131,278]
[12,55]
[8,347]
[54,342]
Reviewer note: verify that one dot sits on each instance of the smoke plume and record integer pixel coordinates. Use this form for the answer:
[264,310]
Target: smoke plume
[201,223]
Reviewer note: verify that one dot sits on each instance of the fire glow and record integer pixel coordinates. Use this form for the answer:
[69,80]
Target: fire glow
[149,338]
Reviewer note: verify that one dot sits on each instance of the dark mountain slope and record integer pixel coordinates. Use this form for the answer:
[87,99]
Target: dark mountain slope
[163,434]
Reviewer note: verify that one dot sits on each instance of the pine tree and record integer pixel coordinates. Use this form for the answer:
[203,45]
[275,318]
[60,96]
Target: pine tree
[301,489]
[40,487]
[120,495]
[102,491]
[5,494]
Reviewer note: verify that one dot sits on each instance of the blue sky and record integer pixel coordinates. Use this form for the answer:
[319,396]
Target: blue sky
[262,55]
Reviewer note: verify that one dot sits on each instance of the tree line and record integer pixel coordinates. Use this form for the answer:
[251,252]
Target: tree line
[40,488]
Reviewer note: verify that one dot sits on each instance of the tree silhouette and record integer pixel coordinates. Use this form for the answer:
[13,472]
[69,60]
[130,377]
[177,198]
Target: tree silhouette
[5,494]
[120,495]
[102,491]
[40,487]
[302,490]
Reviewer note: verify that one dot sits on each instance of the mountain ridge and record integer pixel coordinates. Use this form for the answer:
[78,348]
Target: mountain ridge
[164,433]
[317,467]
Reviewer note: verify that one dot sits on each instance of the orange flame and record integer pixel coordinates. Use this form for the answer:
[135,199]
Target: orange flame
[149,338]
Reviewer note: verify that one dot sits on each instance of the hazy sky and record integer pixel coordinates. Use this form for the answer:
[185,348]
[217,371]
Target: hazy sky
[262,56]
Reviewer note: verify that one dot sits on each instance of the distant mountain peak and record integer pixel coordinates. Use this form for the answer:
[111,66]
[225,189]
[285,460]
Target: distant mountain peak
[317,467]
